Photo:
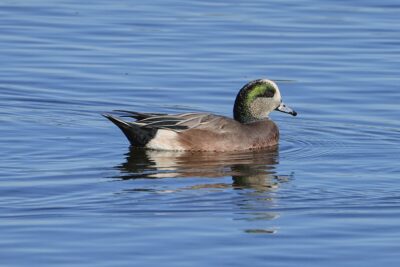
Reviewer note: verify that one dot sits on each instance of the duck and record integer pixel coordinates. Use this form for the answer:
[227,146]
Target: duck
[249,129]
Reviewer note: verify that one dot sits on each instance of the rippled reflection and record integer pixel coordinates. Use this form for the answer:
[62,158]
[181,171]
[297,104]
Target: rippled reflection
[250,169]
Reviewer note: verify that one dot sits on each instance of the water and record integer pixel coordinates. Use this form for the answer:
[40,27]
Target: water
[73,193]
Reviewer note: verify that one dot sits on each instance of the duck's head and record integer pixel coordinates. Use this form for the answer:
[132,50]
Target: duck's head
[257,99]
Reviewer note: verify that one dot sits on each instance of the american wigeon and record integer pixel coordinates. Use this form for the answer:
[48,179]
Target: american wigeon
[250,127]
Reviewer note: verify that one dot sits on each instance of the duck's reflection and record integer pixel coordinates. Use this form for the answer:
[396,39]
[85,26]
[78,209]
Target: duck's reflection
[249,169]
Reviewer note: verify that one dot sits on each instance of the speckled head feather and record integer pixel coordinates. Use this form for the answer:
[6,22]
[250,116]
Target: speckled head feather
[256,100]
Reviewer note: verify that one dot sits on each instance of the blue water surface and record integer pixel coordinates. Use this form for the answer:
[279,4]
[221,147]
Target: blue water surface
[72,192]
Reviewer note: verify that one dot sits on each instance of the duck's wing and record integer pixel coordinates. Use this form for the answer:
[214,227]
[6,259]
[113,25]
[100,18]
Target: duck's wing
[137,115]
[173,122]
[186,131]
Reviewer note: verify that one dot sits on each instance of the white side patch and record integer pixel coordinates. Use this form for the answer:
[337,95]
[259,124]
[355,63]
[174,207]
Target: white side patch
[165,140]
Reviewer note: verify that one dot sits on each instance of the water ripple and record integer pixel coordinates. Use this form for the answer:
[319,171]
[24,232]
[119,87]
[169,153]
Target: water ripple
[314,138]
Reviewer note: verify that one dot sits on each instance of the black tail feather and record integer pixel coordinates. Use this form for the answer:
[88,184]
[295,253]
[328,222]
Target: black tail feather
[137,136]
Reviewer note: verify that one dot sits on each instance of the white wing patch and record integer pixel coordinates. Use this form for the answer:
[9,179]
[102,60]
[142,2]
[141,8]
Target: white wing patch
[165,140]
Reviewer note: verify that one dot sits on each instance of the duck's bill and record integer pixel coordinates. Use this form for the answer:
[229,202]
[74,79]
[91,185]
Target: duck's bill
[285,109]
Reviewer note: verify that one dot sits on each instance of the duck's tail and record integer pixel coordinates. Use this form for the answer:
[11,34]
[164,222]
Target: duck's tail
[137,135]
